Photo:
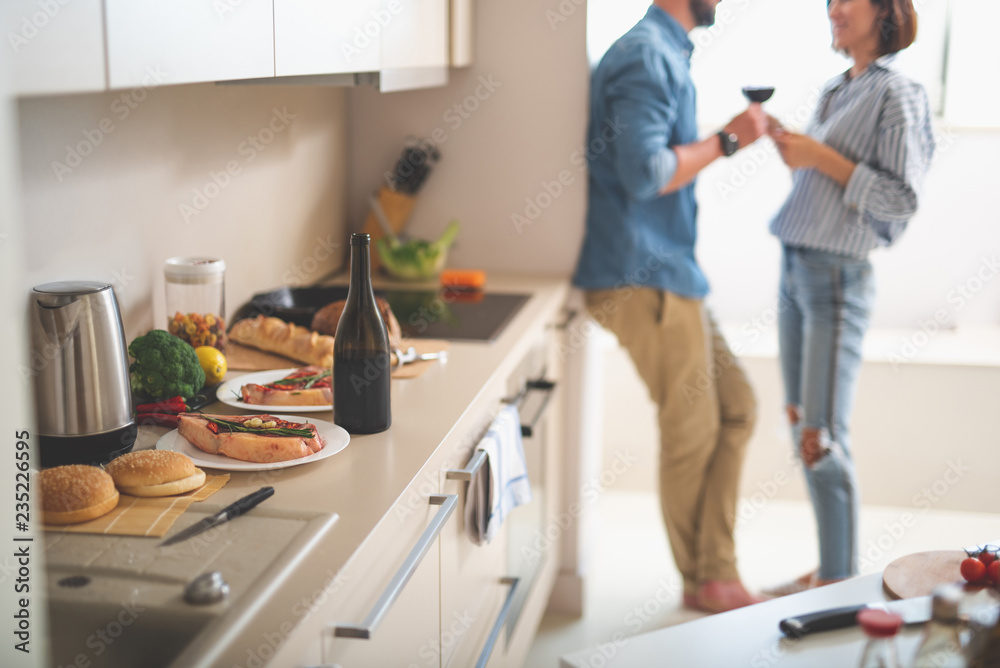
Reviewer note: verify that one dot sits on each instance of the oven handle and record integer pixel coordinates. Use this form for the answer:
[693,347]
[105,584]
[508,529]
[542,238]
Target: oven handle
[545,386]
[484,657]
[405,572]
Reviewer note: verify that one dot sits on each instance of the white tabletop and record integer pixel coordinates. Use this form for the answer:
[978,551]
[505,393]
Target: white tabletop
[750,636]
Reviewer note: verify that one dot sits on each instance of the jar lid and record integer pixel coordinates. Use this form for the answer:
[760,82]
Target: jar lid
[189,267]
[879,623]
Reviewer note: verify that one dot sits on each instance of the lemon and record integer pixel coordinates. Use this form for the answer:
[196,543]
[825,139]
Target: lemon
[213,362]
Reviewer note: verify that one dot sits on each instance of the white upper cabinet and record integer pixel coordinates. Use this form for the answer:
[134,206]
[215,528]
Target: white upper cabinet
[158,42]
[329,37]
[55,47]
[417,36]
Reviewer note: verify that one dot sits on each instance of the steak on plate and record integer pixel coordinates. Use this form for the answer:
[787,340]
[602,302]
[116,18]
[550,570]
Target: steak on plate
[236,436]
[308,386]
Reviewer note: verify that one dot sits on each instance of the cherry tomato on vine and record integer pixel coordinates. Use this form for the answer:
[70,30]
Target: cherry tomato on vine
[993,572]
[987,557]
[972,569]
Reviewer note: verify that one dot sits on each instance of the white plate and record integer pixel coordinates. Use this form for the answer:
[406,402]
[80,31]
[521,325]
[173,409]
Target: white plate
[226,390]
[336,438]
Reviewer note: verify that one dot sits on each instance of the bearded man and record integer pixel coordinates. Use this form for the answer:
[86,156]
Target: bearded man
[643,283]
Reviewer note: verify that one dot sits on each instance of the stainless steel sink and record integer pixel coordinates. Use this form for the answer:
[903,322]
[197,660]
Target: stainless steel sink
[117,601]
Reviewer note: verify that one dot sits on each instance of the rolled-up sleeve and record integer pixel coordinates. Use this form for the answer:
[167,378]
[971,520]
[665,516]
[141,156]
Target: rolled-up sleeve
[886,192]
[642,103]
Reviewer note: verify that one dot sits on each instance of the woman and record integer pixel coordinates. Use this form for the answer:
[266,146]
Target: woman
[858,171]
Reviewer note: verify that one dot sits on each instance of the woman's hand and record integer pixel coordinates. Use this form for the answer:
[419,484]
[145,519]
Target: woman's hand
[798,151]
[803,152]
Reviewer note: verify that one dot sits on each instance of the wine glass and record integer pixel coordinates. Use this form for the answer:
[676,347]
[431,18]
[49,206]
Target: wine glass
[759,94]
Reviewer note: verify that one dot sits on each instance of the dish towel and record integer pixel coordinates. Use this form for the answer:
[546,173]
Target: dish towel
[502,483]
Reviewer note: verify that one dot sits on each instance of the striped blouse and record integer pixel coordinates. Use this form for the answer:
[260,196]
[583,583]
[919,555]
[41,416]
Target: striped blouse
[880,120]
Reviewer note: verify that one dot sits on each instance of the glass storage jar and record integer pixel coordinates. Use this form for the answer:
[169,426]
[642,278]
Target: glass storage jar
[196,300]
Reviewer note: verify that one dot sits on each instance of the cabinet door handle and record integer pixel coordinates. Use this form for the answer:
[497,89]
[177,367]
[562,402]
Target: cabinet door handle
[471,469]
[484,656]
[570,314]
[405,572]
[544,386]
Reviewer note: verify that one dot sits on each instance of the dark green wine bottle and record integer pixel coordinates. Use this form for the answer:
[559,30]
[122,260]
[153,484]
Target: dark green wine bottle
[361,362]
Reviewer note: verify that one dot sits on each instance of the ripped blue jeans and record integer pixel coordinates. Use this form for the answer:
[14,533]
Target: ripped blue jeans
[825,302]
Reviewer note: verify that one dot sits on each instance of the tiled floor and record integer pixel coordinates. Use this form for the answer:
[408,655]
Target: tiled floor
[633,588]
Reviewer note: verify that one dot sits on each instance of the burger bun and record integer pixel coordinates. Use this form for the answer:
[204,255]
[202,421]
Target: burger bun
[76,493]
[155,473]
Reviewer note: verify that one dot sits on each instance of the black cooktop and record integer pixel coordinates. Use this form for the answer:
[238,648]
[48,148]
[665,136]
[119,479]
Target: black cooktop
[427,314]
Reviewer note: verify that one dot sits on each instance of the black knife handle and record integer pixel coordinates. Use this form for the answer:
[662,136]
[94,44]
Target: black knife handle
[247,502]
[825,620]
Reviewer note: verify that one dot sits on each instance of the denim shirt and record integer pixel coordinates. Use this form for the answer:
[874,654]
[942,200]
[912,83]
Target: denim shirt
[642,104]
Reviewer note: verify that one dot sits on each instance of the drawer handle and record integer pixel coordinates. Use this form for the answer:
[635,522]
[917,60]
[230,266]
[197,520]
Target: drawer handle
[471,469]
[544,386]
[405,572]
[570,314]
[484,657]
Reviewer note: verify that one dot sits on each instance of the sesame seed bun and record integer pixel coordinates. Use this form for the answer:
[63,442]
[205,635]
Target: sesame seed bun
[155,473]
[76,493]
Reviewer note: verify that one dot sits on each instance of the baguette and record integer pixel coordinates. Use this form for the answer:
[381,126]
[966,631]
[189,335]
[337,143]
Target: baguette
[277,336]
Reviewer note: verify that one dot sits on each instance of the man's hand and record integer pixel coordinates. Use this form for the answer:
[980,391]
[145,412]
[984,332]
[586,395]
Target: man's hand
[749,126]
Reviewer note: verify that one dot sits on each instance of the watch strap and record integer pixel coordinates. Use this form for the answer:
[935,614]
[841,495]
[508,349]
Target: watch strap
[730,143]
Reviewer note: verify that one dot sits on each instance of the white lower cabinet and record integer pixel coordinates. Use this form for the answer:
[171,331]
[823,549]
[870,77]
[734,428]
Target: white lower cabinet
[474,583]
[388,611]
[419,593]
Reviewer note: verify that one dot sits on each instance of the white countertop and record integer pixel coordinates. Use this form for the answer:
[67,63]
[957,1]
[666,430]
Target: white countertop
[362,483]
[750,636]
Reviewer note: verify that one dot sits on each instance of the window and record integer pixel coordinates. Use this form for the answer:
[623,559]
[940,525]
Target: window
[786,44]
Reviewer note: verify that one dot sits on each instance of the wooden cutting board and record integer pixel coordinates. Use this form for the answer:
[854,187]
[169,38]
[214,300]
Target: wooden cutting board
[245,358]
[918,574]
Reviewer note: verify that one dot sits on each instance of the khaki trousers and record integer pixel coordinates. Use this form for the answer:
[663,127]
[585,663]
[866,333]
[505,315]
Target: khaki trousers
[706,416]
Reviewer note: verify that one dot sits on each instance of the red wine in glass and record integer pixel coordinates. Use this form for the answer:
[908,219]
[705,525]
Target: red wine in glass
[759,94]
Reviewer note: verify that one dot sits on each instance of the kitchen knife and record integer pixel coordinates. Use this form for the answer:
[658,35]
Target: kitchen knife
[229,512]
[912,610]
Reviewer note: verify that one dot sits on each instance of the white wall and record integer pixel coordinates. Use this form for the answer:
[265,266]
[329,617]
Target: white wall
[498,151]
[117,214]
[911,423]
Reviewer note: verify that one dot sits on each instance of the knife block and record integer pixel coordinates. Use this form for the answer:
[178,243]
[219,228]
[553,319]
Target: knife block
[397,208]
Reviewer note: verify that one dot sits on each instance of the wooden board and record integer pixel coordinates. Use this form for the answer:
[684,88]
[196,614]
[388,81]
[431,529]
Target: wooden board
[245,358]
[918,574]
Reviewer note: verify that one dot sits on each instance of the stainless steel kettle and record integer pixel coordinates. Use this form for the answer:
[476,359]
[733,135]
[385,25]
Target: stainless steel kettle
[80,366]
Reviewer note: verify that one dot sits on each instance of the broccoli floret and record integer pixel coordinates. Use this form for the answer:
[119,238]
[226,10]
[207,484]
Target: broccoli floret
[164,366]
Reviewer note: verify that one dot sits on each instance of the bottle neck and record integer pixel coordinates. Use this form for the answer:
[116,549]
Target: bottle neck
[361,278]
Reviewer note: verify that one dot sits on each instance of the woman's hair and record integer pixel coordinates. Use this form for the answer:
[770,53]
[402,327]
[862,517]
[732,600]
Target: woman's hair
[898,28]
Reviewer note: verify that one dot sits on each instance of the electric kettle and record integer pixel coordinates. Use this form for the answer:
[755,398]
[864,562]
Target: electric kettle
[83,402]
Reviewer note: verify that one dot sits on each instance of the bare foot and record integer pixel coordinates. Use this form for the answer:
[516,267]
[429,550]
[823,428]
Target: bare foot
[799,584]
[722,595]
[816,582]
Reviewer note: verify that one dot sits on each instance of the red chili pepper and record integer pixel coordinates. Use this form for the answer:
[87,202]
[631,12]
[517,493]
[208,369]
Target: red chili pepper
[172,405]
[158,419]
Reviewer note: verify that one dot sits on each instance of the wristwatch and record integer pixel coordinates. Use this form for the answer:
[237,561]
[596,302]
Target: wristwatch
[730,142]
